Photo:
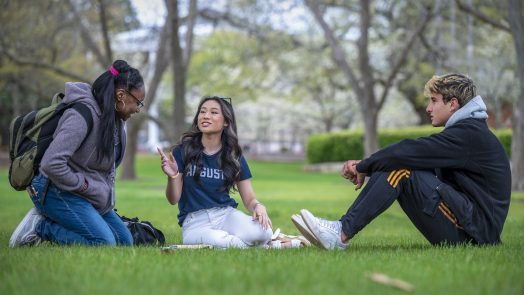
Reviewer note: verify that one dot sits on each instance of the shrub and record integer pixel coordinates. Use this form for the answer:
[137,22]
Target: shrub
[504,136]
[345,145]
[334,147]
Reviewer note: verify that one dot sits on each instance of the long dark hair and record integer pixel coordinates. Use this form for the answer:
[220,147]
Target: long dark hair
[229,158]
[104,87]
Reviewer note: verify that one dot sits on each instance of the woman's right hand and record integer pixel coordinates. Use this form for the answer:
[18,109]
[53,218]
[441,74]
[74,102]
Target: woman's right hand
[260,214]
[169,166]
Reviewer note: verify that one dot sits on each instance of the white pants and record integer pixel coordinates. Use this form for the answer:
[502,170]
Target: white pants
[224,228]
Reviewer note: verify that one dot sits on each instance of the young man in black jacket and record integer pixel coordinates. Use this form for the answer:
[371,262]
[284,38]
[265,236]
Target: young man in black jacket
[455,185]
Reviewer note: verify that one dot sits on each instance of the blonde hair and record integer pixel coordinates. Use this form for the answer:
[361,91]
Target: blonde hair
[451,85]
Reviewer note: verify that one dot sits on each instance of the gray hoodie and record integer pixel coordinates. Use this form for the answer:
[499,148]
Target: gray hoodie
[475,108]
[71,158]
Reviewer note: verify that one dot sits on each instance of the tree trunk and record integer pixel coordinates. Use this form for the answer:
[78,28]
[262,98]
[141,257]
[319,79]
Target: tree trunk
[469,40]
[179,72]
[516,20]
[517,157]
[370,129]
[128,163]
[328,124]
[105,32]
[371,106]
[16,100]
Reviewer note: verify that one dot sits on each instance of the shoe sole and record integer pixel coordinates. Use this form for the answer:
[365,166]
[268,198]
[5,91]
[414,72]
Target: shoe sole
[308,216]
[302,227]
[13,240]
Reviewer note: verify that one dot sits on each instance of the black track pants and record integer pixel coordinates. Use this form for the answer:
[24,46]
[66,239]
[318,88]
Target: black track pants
[418,194]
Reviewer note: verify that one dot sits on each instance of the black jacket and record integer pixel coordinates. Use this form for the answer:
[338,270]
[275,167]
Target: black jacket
[469,158]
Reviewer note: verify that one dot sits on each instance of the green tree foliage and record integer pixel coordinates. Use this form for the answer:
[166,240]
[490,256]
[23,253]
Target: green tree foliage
[41,48]
[218,68]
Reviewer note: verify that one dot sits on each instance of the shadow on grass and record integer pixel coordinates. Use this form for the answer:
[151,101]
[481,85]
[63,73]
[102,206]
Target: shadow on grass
[402,246]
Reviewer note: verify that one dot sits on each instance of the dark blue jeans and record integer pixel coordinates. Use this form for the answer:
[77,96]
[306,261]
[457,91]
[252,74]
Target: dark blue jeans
[418,195]
[71,219]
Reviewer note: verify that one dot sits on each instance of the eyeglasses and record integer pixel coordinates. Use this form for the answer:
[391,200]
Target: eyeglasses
[139,103]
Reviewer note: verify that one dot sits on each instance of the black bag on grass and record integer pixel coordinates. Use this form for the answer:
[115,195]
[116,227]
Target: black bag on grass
[143,232]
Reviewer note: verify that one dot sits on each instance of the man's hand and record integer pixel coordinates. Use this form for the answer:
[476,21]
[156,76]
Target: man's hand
[349,172]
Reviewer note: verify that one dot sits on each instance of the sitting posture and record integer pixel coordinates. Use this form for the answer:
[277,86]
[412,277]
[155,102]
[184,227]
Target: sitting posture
[202,170]
[454,185]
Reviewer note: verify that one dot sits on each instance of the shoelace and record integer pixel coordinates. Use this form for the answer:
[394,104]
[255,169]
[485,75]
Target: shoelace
[332,225]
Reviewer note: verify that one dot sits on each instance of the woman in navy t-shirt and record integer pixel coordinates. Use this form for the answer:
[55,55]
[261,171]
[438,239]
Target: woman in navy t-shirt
[202,170]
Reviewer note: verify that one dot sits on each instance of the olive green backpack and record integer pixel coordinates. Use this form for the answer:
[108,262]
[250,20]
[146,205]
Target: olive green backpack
[30,136]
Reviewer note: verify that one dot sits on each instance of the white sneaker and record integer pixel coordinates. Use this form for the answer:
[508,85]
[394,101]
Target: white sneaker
[325,231]
[304,230]
[25,233]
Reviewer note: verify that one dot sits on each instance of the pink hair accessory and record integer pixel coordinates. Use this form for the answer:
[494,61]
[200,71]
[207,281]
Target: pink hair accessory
[113,71]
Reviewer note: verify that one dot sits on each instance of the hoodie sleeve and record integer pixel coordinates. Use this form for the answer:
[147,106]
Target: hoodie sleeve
[69,135]
[447,149]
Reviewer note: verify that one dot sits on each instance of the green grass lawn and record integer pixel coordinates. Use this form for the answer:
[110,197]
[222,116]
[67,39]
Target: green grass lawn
[389,245]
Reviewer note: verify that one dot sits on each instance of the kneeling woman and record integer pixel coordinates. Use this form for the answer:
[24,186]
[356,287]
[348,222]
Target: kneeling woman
[202,170]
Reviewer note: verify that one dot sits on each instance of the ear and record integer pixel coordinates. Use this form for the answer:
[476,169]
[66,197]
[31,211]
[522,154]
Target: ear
[225,125]
[119,94]
[454,104]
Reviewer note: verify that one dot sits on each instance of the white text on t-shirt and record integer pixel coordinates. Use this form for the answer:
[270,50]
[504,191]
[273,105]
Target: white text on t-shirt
[207,173]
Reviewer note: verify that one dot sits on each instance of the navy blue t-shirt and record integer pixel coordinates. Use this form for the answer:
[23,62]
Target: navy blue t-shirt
[206,193]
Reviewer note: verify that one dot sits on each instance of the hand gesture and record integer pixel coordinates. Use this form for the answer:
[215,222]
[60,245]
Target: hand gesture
[169,167]
[260,214]
[349,172]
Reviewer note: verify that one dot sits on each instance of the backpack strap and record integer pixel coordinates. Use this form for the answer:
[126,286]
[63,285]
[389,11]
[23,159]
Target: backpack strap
[57,98]
[86,113]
